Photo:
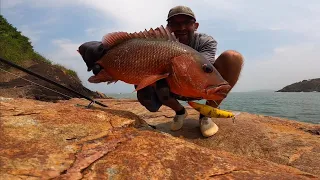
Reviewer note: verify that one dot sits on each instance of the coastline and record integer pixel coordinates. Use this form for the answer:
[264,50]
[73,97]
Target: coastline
[294,106]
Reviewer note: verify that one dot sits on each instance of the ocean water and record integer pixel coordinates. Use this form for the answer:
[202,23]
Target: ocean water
[298,106]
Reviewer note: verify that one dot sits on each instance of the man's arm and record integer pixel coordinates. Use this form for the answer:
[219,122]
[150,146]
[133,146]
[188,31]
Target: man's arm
[208,48]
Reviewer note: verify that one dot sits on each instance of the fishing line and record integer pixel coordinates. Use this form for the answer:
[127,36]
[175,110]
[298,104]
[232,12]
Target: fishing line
[91,103]
[36,83]
[50,81]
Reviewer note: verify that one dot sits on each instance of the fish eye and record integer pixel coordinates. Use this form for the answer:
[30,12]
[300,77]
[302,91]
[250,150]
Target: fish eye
[207,68]
[96,69]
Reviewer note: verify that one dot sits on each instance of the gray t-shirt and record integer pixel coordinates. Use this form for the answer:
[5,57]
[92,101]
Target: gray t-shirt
[206,45]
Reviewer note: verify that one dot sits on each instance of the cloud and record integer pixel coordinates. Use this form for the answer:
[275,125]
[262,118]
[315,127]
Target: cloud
[33,35]
[92,31]
[6,4]
[247,14]
[67,47]
[65,53]
[290,15]
[289,64]
[132,15]
[293,15]
[285,65]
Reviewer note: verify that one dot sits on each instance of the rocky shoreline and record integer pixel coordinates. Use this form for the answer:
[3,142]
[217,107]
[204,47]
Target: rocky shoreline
[66,140]
[31,87]
[311,85]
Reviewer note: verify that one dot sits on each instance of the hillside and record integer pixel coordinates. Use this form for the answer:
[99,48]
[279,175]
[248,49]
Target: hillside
[17,48]
[310,85]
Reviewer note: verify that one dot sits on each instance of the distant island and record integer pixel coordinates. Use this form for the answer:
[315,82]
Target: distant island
[311,85]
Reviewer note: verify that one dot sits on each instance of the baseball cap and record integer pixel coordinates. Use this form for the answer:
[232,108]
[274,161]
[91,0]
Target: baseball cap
[180,10]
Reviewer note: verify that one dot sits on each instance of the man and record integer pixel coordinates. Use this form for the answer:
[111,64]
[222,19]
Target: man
[182,22]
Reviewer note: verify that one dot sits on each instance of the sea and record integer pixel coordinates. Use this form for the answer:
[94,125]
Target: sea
[300,106]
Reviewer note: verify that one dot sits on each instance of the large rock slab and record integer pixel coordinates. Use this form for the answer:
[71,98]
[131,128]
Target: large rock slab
[66,140]
[254,136]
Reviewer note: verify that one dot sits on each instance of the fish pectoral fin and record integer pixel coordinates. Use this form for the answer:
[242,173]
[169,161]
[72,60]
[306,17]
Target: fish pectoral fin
[150,80]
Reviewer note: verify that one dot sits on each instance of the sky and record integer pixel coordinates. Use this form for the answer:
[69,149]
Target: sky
[279,40]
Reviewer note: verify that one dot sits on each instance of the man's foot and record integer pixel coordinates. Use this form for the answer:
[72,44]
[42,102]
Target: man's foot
[208,127]
[178,121]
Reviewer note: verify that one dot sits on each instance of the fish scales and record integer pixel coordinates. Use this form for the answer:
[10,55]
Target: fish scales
[150,57]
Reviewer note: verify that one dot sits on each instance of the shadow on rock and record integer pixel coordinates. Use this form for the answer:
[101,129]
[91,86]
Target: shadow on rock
[190,129]
[117,113]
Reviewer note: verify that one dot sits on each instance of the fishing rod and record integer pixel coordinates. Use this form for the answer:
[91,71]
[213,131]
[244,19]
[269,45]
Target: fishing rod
[50,81]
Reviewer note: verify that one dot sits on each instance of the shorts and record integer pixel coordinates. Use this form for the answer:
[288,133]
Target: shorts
[149,98]
[153,98]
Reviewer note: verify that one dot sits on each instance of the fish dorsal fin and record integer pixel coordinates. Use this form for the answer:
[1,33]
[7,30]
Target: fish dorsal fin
[159,33]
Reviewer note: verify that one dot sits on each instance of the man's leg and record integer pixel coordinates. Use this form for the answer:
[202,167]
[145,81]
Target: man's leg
[149,99]
[229,65]
[167,99]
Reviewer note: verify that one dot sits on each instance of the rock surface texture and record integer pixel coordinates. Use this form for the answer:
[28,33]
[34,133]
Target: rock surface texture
[66,140]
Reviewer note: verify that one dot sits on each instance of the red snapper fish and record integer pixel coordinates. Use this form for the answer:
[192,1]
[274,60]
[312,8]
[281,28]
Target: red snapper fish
[143,58]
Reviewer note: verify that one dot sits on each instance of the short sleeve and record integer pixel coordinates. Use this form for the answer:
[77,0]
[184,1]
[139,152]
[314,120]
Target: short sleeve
[208,47]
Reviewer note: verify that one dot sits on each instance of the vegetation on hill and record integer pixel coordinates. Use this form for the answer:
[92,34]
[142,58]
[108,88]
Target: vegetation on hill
[311,85]
[17,48]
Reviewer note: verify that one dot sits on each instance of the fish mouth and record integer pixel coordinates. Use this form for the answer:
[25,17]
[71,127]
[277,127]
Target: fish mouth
[220,90]
[94,79]
[102,76]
